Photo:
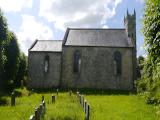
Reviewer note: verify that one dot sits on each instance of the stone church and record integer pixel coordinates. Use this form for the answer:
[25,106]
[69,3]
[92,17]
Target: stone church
[86,58]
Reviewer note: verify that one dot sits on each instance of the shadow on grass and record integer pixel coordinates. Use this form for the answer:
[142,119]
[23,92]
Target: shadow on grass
[87,91]
[106,92]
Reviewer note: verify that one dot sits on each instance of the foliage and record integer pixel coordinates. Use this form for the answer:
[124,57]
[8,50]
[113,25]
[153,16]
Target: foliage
[12,61]
[151,29]
[3,27]
[12,53]
[22,70]
[141,62]
[3,39]
[149,84]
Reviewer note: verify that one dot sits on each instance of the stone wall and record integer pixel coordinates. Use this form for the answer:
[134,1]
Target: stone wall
[37,77]
[97,68]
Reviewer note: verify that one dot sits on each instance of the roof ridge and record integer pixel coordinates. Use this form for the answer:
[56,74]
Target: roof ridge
[52,40]
[97,28]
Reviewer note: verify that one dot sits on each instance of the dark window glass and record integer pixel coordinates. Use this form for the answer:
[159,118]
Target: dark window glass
[118,61]
[76,62]
[46,64]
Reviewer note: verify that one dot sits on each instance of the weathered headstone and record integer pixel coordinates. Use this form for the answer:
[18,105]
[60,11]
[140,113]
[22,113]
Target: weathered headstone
[39,114]
[36,114]
[88,112]
[57,91]
[13,99]
[41,109]
[82,100]
[53,98]
[44,106]
[85,106]
[42,98]
[77,94]
[32,117]
[70,93]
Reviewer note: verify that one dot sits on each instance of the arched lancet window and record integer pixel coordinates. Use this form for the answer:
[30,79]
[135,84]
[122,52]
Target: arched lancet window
[46,64]
[117,63]
[76,61]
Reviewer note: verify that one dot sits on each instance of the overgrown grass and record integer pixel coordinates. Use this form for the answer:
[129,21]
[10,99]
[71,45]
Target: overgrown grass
[65,108]
[120,107]
[21,111]
[105,105]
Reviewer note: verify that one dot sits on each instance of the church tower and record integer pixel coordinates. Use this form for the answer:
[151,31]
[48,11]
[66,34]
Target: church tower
[130,26]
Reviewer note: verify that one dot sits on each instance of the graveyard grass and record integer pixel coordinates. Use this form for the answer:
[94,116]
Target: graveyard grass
[65,108]
[102,107]
[120,107]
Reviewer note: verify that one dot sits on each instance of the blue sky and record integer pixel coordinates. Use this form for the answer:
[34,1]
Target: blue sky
[48,19]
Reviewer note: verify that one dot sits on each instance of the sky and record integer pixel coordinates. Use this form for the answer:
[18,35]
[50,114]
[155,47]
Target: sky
[48,19]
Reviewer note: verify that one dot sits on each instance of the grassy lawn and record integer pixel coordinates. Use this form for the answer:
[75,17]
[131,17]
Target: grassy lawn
[24,107]
[113,106]
[120,107]
[65,108]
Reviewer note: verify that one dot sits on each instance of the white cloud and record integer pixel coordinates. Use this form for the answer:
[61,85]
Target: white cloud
[78,13]
[15,5]
[105,26]
[141,1]
[30,30]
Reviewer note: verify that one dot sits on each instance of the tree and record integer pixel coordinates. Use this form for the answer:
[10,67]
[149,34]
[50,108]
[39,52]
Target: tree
[150,81]
[3,27]
[151,29]
[12,62]
[12,53]
[141,60]
[22,71]
[3,43]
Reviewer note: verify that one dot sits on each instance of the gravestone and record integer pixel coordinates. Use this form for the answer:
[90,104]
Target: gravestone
[13,99]
[57,91]
[42,98]
[53,98]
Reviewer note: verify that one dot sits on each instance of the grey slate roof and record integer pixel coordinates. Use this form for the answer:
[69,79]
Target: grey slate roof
[47,46]
[97,37]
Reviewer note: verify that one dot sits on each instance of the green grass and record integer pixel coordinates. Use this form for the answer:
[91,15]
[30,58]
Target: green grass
[111,105]
[65,108]
[23,109]
[120,107]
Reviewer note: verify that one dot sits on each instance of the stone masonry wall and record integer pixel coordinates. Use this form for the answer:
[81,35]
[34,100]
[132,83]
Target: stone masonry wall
[97,68]
[37,77]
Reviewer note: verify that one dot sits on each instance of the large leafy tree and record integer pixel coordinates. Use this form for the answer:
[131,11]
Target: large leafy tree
[150,81]
[3,43]
[22,70]
[151,29]
[12,61]
[12,53]
[3,27]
